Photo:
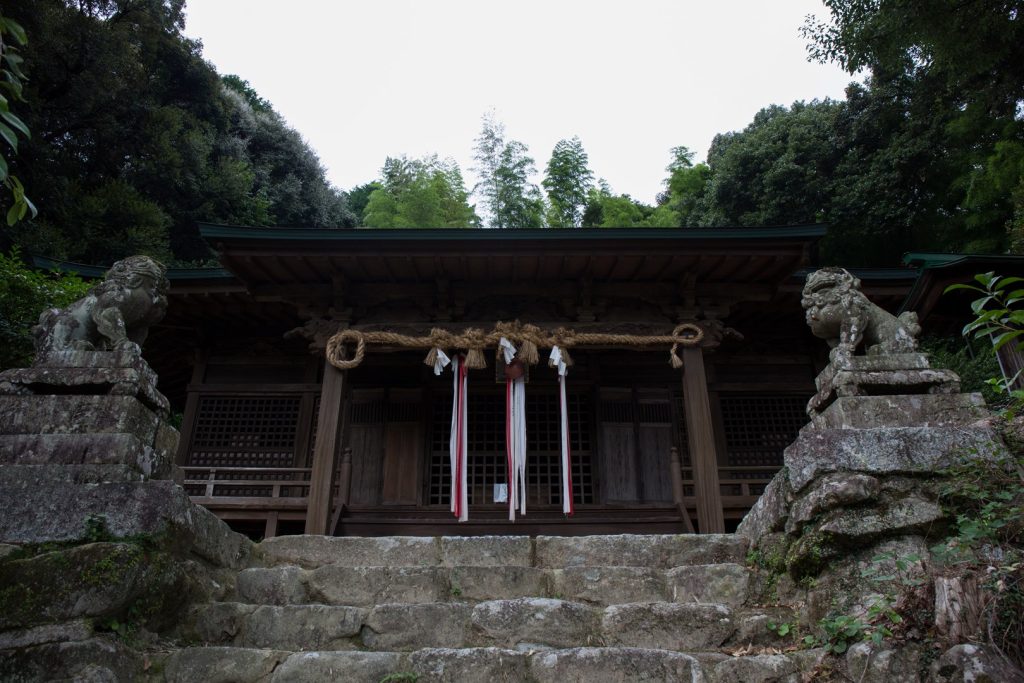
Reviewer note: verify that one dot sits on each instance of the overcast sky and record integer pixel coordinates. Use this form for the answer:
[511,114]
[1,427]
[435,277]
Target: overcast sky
[365,80]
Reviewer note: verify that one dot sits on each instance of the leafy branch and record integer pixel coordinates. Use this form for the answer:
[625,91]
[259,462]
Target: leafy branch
[999,316]
[11,127]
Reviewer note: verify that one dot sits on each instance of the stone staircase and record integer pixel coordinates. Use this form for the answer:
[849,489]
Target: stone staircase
[495,608]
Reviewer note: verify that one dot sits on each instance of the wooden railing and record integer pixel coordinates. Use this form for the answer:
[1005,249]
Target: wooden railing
[740,486]
[277,486]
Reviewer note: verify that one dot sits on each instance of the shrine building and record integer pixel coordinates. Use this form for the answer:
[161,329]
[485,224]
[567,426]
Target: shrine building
[275,439]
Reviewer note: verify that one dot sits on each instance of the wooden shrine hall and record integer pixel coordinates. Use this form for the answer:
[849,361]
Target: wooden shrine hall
[277,440]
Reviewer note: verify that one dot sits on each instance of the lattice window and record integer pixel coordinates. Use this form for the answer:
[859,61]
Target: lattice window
[245,431]
[759,427]
[487,465]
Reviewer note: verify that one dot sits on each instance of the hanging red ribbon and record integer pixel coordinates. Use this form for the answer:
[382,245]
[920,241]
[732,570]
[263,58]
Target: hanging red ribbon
[457,443]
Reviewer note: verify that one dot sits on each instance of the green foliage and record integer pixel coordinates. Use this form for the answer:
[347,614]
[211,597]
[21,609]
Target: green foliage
[999,316]
[401,677]
[24,294]
[419,193]
[11,126]
[505,168]
[567,179]
[944,93]
[972,360]
[139,139]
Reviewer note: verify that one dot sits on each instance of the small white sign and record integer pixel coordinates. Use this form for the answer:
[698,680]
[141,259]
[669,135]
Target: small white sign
[501,493]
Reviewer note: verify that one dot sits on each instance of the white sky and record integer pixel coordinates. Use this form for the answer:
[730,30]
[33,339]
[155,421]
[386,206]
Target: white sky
[365,80]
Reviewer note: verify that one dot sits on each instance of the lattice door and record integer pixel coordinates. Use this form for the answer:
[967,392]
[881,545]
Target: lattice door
[759,427]
[245,431]
[487,449]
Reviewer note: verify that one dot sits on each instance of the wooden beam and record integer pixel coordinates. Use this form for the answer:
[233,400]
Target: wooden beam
[700,434]
[328,429]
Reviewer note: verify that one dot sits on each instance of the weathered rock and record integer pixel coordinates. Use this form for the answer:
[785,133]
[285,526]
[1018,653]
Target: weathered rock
[892,450]
[724,584]
[367,586]
[80,475]
[972,663]
[496,583]
[302,627]
[34,415]
[769,512]
[8,550]
[351,551]
[221,665]
[668,626]
[90,661]
[535,621]
[80,629]
[911,515]
[758,669]
[752,626]
[354,667]
[219,622]
[613,665]
[38,512]
[638,550]
[273,586]
[87,449]
[831,491]
[610,585]
[486,551]
[472,665]
[841,587]
[867,663]
[906,410]
[94,580]
[410,627]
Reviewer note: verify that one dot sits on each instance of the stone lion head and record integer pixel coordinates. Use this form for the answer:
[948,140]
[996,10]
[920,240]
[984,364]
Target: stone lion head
[827,292]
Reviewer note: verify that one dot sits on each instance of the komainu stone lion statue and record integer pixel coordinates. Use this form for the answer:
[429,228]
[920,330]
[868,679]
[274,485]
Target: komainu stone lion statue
[114,316]
[839,313]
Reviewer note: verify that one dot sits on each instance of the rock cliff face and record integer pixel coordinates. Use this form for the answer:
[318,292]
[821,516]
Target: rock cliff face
[842,533]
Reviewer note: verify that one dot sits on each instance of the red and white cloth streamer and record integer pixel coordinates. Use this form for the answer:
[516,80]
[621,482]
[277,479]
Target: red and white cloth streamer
[457,443]
[557,361]
[515,435]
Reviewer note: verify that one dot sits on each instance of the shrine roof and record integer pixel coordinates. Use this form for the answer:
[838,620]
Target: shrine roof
[281,257]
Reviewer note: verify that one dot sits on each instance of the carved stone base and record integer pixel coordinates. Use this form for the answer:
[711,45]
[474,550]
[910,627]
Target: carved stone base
[905,373]
[111,373]
[915,410]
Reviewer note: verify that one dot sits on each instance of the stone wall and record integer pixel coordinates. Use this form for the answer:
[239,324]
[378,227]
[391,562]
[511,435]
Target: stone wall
[101,551]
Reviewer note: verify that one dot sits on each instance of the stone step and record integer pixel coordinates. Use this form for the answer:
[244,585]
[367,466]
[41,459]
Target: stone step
[432,665]
[518,623]
[335,584]
[547,552]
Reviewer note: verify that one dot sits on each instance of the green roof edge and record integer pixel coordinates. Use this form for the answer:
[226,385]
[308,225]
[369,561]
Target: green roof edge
[83,270]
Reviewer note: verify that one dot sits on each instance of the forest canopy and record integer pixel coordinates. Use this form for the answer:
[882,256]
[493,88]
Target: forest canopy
[135,138]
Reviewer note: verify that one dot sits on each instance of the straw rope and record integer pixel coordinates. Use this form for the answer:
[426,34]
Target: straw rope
[529,338]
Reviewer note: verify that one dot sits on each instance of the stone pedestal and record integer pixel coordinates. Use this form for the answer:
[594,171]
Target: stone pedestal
[97,373]
[878,375]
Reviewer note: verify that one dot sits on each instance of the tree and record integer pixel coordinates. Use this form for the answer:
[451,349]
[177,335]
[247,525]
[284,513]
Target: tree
[129,116]
[567,180]
[954,72]
[684,200]
[11,127]
[504,168]
[419,193]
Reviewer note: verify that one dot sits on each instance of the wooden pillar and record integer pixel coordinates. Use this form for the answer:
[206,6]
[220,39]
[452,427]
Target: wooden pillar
[701,437]
[188,421]
[318,509]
